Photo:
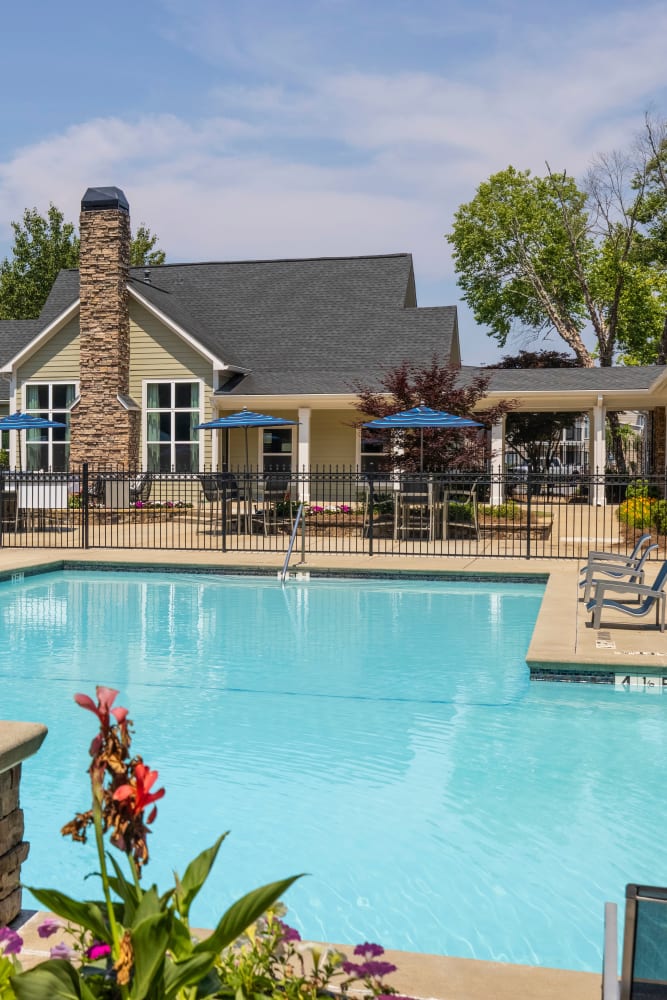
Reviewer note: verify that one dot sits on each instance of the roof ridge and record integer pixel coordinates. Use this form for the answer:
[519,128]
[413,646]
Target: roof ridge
[267,260]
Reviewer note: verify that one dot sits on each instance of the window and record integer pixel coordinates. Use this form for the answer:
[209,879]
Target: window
[277,449]
[48,447]
[375,451]
[172,413]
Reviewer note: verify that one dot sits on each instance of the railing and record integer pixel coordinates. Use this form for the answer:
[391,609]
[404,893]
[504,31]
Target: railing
[297,521]
[520,514]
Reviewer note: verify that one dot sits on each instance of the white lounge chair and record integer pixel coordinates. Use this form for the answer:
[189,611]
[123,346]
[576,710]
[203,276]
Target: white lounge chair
[631,570]
[653,596]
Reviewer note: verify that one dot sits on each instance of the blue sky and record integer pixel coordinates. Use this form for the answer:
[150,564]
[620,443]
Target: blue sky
[298,128]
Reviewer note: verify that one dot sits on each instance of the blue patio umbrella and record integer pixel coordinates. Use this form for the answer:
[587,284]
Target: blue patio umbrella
[245,419]
[25,422]
[418,418]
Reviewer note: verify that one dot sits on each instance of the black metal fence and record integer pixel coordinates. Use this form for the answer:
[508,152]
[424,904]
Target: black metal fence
[521,514]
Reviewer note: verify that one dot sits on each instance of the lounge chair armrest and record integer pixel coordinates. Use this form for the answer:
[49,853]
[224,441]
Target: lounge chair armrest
[631,589]
[610,984]
[606,559]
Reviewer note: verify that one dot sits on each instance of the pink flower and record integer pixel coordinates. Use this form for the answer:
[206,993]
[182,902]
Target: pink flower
[63,950]
[48,927]
[105,699]
[10,942]
[139,792]
[98,950]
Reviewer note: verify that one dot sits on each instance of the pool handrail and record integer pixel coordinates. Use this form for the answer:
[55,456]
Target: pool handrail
[295,526]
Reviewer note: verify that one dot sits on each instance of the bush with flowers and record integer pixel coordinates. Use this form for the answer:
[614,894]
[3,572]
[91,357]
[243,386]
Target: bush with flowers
[136,943]
[636,512]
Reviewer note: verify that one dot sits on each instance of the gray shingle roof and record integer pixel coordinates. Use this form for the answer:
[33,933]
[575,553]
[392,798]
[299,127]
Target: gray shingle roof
[509,380]
[311,325]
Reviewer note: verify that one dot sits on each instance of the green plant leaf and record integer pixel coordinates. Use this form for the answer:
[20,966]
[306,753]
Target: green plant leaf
[244,912]
[195,875]
[150,938]
[84,914]
[180,941]
[187,973]
[55,979]
[149,906]
[126,890]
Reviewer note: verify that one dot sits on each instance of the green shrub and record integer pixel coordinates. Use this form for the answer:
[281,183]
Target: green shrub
[641,488]
[460,512]
[508,511]
[4,458]
[660,516]
[637,512]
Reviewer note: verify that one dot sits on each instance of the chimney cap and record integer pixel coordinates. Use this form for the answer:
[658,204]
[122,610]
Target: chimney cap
[97,199]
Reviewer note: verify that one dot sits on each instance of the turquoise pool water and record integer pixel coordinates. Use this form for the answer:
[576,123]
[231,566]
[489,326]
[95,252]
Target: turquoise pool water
[382,736]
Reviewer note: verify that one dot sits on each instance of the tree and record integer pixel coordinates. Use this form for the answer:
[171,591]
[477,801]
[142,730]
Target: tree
[542,254]
[44,245]
[438,386]
[143,252]
[536,436]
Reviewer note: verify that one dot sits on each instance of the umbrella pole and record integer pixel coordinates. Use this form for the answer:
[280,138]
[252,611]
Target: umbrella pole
[421,449]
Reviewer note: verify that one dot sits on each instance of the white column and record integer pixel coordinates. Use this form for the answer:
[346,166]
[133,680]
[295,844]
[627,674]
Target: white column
[497,461]
[303,451]
[598,452]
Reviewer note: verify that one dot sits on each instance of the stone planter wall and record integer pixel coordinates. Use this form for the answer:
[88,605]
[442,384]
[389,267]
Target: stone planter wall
[18,740]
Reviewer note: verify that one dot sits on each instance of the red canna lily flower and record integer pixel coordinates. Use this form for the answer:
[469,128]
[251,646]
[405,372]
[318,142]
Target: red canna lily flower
[105,699]
[138,792]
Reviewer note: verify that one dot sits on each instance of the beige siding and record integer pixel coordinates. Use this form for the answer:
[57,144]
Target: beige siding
[332,439]
[157,353]
[55,361]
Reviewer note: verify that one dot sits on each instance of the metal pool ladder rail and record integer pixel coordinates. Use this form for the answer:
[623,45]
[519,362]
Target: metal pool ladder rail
[299,518]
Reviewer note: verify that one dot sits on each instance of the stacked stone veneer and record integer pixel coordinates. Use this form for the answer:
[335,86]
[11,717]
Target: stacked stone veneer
[103,432]
[17,741]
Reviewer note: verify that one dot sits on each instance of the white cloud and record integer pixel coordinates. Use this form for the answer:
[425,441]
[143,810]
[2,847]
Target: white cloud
[353,162]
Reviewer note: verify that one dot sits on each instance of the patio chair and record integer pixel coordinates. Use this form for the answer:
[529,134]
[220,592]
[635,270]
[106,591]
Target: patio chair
[619,557]
[653,596]
[275,494]
[415,508]
[459,511]
[632,570]
[644,963]
[140,489]
[219,491]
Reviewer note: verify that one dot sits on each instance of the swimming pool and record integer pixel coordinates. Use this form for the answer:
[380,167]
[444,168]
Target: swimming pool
[380,735]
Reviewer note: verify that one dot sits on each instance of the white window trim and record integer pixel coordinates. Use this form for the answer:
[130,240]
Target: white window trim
[260,446]
[23,439]
[144,413]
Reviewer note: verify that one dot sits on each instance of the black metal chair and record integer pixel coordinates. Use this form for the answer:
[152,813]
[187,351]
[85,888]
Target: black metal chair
[275,495]
[220,493]
[140,489]
[644,963]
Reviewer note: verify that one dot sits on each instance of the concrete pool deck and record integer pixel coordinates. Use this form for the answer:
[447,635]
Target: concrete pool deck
[562,640]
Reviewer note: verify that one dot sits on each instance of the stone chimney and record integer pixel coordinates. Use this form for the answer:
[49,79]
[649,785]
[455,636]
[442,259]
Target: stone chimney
[103,431]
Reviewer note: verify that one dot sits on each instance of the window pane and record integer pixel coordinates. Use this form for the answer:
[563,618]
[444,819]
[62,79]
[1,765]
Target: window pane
[277,441]
[59,434]
[37,397]
[186,395]
[165,458]
[37,456]
[153,457]
[165,426]
[153,427]
[183,427]
[164,395]
[187,458]
[60,454]
[62,397]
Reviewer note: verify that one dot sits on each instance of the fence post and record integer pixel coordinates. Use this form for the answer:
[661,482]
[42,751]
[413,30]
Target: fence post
[2,503]
[371,500]
[529,485]
[84,505]
[224,515]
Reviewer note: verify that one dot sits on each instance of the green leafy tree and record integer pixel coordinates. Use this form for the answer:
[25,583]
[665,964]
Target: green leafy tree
[43,246]
[144,250]
[439,387]
[541,254]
